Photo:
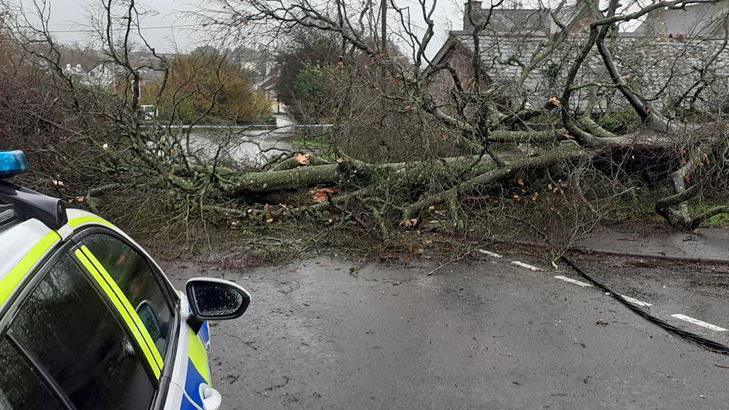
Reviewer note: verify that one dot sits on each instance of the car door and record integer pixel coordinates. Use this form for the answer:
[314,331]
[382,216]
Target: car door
[137,284]
[64,345]
[21,385]
[159,313]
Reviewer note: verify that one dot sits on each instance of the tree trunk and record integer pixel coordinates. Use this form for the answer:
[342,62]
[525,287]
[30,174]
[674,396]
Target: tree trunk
[570,153]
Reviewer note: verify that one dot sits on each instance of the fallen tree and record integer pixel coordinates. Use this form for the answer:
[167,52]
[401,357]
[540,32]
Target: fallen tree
[400,151]
[477,114]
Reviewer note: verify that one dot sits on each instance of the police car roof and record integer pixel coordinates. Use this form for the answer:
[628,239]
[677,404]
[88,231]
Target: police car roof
[26,216]
[18,203]
[18,239]
[28,224]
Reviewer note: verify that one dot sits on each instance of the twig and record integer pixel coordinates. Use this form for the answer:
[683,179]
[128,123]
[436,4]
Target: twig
[460,258]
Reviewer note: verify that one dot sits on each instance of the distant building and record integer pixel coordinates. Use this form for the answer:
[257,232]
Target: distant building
[263,69]
[76,71]
[261,66]
[102,75]
[537,22]
[108,75]
[703,20]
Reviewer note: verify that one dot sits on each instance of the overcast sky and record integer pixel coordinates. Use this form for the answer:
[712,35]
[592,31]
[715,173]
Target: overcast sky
[170,25]
[168,22]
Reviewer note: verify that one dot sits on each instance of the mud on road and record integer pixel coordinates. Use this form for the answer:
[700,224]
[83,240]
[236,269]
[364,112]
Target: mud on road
[329,333]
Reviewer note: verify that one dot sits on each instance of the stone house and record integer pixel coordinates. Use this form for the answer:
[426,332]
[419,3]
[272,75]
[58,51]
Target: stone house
[663,58]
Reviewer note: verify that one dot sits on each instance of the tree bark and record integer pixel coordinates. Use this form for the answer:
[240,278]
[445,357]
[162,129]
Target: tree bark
[332,174]
[674,208]
[488,178]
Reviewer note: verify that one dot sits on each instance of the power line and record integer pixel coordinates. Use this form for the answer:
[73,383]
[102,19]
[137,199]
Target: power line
[140,28]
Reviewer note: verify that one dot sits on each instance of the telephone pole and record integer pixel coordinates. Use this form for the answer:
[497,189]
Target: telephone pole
[383,10]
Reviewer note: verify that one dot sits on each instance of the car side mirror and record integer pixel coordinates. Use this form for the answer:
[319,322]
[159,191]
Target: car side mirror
[216,299]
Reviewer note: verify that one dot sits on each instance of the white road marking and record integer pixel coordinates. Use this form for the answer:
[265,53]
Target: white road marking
[632,300]
[491,254]
[635,301]
[587,285]
[699,322]
[526,266]
[573,281]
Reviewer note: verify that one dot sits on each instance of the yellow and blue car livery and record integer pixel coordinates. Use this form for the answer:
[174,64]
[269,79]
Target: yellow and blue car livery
[34,237]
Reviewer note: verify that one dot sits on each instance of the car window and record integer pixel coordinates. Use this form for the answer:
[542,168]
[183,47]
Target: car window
[136,279]
[69,330]
[20,386]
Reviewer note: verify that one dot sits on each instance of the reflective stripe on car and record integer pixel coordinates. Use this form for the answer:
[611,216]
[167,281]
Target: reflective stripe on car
[199,356]
[122,305]
[78,218]
[198,372]
[11,280]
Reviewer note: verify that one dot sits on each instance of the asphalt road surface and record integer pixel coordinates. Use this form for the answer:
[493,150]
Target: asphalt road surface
[327,333]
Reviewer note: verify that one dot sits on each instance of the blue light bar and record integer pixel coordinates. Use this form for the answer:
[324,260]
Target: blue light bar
[12,163]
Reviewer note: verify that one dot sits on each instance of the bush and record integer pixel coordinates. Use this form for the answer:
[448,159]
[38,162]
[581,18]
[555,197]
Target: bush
[207,85]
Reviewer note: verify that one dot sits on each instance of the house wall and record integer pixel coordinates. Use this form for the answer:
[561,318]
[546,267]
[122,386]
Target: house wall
[442,82]
[659,68]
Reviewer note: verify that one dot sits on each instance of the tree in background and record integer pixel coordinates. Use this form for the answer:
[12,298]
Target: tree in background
[317,73]
[305,65]
[206,87]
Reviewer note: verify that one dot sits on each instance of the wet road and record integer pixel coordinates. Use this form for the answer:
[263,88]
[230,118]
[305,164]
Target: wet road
[480,335]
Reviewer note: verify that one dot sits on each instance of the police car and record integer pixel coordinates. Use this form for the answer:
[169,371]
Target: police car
[87,318]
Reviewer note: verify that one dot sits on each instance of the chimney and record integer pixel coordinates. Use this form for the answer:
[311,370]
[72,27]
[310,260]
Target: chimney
[474,8]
